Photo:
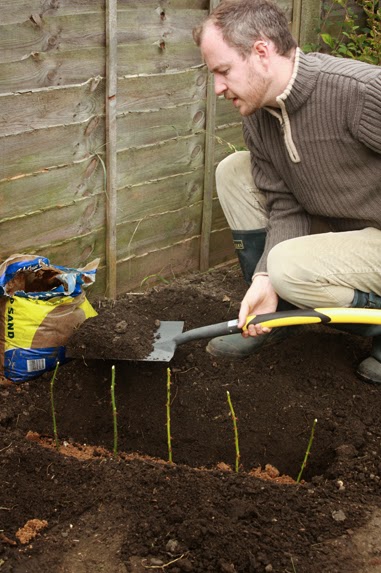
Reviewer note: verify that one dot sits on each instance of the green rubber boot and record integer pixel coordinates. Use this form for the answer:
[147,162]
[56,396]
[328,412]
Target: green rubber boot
[369,369]
[236,347]
[249,246]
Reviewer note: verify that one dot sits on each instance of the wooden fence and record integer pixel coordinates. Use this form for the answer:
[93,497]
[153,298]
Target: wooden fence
[109,138]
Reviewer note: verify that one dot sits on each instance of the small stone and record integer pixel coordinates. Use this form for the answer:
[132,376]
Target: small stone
[269,568]
[339,515]
[121,327]
[172,546]
[340,485]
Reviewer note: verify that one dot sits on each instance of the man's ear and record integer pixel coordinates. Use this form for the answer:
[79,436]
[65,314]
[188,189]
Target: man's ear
[260,48]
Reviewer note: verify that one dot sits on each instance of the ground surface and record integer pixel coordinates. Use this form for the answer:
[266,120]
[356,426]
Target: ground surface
[137,513]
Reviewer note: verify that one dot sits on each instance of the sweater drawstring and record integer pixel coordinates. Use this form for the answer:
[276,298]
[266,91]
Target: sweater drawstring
[287,134]
[284,121]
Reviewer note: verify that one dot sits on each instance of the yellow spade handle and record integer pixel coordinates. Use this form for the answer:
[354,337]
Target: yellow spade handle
[316,315]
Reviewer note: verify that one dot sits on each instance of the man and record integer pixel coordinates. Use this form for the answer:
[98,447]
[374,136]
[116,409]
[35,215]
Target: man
[312,125]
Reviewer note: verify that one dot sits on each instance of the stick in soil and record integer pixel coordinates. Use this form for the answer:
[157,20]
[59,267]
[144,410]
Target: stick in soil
[55,434]
[114,411]
[307,451]
[169,438]
[234,418]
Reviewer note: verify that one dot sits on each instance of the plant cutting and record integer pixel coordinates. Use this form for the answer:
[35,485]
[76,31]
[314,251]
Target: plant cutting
[236,441]
[307,452]
[114,411]
[55,433]
[169,438]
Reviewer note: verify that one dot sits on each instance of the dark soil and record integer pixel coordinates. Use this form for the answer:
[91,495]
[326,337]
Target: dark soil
[136,512]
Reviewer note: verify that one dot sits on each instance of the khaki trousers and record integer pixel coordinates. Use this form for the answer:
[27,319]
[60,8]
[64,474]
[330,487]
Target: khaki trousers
[318,270]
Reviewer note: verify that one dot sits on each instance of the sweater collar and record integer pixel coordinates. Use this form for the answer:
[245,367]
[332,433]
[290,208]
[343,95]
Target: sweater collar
[302,82]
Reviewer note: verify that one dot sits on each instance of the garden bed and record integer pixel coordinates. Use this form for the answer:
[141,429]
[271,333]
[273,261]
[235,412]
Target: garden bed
[136,512]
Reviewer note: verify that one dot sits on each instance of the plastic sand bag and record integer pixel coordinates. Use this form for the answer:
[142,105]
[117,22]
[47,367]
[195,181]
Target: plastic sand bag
[40,306]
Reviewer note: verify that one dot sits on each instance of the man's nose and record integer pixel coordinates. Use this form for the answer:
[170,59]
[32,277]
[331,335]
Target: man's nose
[219,86]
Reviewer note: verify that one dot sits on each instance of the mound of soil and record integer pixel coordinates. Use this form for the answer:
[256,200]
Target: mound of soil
[76,507]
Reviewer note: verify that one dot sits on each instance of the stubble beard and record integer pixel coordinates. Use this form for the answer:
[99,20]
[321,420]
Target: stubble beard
[257,91]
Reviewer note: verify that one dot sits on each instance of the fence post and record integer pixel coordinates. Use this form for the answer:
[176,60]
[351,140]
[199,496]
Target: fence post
[310,16]
[296,19]
[111,151]
[210,143]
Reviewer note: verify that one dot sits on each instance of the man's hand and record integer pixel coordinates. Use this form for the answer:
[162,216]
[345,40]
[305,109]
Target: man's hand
[261,298]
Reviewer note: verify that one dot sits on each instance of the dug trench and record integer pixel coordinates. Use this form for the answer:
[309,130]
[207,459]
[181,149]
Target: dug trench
[135,512]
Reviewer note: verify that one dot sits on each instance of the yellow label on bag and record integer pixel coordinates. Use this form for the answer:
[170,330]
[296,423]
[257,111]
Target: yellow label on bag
[24,316]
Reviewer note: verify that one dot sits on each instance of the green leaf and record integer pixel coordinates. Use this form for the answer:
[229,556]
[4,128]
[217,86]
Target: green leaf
[327,39]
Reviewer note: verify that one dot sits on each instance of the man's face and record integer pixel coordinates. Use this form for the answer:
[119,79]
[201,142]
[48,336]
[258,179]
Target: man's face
[241,80]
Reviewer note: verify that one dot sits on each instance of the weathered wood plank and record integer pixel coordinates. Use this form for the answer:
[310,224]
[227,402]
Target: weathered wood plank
[51,106]
[153,162]
[21,10]
[76,252]
[77,66]
[51,188]
[56,225]
[144,128]
[47,107]
[36,150]
[52,69]
[157,91]
[167,194]
[142,26]
[62,186]
[51,33]
[155,4]
[151,59]
[158,231]
[172,261]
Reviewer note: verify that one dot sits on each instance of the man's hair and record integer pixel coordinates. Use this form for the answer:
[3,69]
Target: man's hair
[243,22]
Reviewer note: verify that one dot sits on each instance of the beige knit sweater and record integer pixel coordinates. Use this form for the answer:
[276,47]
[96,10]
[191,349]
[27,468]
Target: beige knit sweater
[320,152]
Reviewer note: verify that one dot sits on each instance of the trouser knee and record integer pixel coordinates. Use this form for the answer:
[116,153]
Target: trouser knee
[244,206]
[230,171]
[288,278]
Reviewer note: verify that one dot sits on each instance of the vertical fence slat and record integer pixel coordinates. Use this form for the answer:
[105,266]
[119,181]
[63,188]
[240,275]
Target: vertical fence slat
[210,143]
[296,19]
[111,88]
